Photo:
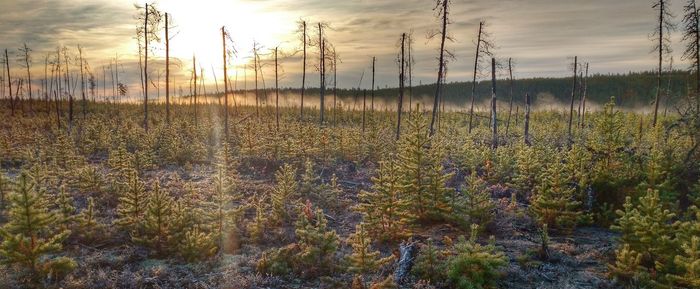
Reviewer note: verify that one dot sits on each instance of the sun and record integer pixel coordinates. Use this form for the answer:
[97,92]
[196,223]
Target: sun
[197,31]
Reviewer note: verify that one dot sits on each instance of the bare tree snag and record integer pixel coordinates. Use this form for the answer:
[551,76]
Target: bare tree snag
[527,120]
[494,119]
[441,63]
[573,97]
[510,105]
[401,85]
[167,71]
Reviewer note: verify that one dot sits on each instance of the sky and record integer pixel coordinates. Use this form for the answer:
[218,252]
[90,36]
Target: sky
[541,36]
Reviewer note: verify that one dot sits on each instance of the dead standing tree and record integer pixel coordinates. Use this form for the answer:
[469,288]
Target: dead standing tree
[691,37]
[402,65]
[194,95]
[661,36]
[573,97]
[167,71]
[526,135]
[510,86]
[409,65]
[64,50]
[583,98]
[26,61]
[304,37]
[441,9]
[9,83]
[150,18]
[82,81]
[277,92]
[494,116]
[483,48]
[335,85]
[371,106]
[228,53]
[323,46]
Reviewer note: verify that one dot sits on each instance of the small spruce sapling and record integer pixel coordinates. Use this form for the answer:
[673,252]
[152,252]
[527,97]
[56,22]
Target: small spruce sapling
[363,258]
[132,204]
[65,209]
[430,263]
[554,203]
[475,203]
[156,224]
[474,265]
[284,193]
[317,243]
[385,212]
[30,238]
[197,245]
[91,228]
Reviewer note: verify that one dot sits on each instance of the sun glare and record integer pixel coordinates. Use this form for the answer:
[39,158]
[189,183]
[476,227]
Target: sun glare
[196,31]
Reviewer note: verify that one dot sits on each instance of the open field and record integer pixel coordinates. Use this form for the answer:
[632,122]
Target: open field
[184,206]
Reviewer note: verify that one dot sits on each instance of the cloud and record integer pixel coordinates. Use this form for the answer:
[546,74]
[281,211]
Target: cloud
[541,35]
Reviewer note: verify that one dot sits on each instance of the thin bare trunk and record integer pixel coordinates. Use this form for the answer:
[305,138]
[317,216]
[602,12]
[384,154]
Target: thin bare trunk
[401,84]
[527,119]
[322,72]
[223,40]
[145,70]
[9,83]
[476,66]
[662,11]
[277,93]
[194,77]
[303,74]
[510,105]
[494,119]
[364,103]
[573,96]
[583,101]
[371,106]
[441,65]
[82,82]
[167,72]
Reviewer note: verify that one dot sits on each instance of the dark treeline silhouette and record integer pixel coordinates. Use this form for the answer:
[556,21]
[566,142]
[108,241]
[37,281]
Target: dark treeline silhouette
[630,89]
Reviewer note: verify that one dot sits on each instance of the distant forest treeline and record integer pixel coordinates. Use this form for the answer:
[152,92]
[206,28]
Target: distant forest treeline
[630,89]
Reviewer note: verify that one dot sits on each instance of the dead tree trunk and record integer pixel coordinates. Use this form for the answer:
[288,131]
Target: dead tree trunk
[82,82]
[277,93]
[26,51]
[583,98]
[573,96]
[194,77]
[401,84]
[322,71]
[371,106]
[527,119]
[223,41]
[303,73]
[9,83]
[510,105]
[255,64]
[441,65]
[364,101]
[70,95]
[410,74]
[407,256]
[167,72]
[476,67]
[335,86]
[663,25]
[494,119]
[145,69]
